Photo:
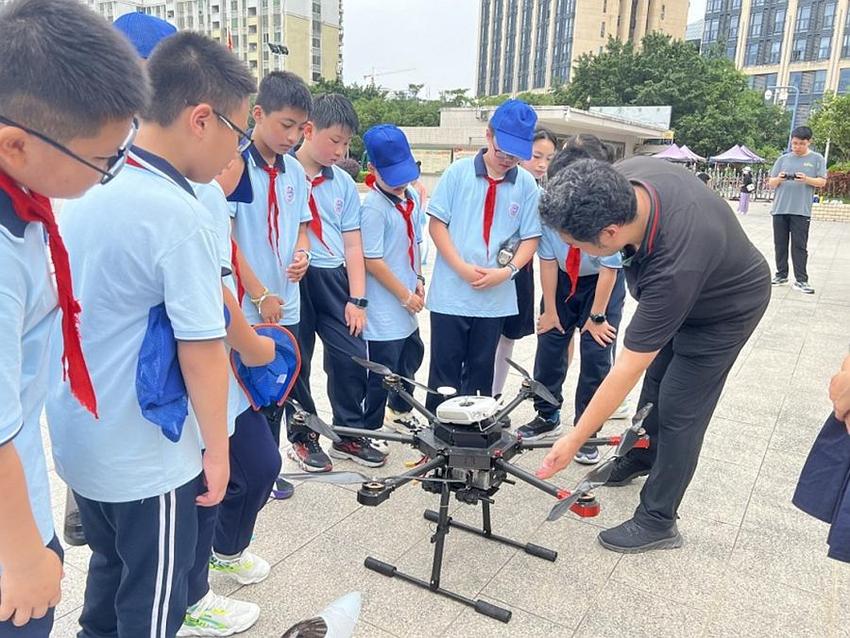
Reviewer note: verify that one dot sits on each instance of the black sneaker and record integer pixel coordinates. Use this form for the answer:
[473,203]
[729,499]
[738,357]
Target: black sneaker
[360,451]
[804,287]
[779,281]
[539,428]
[626,469]
[309,455]
[632,538]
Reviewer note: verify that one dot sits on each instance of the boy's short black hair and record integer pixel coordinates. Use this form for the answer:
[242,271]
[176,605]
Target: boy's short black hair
[64,71]
[284,90]
[585,197]
[802,133]
[333,109]
[188,69]
[582,146]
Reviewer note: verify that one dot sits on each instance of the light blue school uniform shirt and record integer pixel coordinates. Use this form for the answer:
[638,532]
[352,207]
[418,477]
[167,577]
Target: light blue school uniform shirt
[384,234]
[27,310]
[552,247]
[339,208]
[138,242]
[214,200]
[458,201]
[252,231]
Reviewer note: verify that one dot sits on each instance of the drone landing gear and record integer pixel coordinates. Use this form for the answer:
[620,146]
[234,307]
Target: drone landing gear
[444,523]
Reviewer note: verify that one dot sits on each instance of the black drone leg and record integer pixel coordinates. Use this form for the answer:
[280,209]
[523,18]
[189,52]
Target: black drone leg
[444,522]
[486,532]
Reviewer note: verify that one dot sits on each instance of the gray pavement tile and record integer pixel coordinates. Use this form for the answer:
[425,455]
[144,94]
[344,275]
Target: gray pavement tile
[621,610]
[561,591]
[471,624]
[719,491]
[735,442]
[752,403]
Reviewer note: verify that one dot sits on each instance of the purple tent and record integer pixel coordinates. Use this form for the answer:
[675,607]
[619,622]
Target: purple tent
[736,155]
[756,159]
[693,157]
[674,154]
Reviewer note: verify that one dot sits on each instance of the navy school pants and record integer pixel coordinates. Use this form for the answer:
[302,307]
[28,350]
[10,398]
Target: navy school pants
[463,351]
[403,356]
[324,294]
[142,552]
[550,360]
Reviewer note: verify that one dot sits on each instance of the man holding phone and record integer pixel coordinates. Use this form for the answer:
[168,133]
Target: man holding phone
[795,176]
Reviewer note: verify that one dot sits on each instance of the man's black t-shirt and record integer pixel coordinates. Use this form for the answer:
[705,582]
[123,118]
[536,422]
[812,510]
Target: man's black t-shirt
[695,266]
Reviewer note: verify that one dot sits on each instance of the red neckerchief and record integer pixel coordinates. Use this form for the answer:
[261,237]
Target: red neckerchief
[274,210]
[406,210]
[572,264]
[316,221]
[32,207]
[490,208]
[234,260]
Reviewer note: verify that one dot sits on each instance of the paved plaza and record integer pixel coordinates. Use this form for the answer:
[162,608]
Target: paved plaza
[752,565]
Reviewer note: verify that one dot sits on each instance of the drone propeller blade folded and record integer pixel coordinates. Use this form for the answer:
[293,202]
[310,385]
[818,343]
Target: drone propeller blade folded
[633,433]
[320,427]
[538,388]
[640,415]
[377,368]
[518,368]
[336,478]
[562,507]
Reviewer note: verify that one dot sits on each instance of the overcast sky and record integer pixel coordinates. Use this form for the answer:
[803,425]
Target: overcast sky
[430,42]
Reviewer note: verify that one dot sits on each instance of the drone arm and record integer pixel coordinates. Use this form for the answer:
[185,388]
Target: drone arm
[512,405]
[375,434]
[528,477]
[404,394]
[417,472]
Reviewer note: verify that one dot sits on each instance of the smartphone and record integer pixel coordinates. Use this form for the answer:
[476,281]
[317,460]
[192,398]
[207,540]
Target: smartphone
[790,176]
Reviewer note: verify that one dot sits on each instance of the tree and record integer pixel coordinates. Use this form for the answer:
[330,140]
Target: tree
[712,106]
[832,122]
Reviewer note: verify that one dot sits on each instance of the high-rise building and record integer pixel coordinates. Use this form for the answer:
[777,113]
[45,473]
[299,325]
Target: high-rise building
[310,30]
[526,45]
[799,43]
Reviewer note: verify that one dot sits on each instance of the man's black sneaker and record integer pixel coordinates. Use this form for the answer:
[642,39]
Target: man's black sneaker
[539,428]
[626,469]
[309,455]
[632,538]
[360,451]
[779,281]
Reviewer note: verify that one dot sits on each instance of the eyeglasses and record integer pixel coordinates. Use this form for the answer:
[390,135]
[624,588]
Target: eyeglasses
[114,163]
[244,139]
[507,157]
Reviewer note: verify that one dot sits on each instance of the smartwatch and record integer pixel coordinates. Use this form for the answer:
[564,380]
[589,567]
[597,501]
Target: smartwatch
[514,270]
[598,318]
[360,302]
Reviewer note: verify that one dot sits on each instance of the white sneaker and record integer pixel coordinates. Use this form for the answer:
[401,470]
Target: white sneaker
[623,412]
[337,620]
[216,615]
[380,444]
[402,422]
[247,569]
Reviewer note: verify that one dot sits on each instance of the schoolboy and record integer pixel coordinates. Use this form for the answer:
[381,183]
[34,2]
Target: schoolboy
[485,226]
[271,234]
[333,290]
[61,130]
[394,282]
[145,243]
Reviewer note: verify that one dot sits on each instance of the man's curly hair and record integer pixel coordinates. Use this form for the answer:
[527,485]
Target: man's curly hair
[583,198]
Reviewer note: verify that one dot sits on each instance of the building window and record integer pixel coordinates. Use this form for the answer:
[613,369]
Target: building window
[844,81]
[496,47]
[541,58]
[663,11]
[828,16]
[510,46]
[825,47]
[798,52]
[804,17]
[752,54]
[602,31]
[482,49]
[562,45]
[779,21]
[252,11]
[525,35]
[604,6]
[755,24]
[819,82]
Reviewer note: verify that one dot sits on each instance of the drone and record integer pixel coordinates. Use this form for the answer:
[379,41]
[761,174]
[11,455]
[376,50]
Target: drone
[467,452]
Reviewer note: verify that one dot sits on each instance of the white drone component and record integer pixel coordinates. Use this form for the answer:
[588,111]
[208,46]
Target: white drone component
[467,410]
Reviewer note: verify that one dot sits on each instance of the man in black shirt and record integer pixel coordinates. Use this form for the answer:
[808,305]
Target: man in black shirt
[702,288]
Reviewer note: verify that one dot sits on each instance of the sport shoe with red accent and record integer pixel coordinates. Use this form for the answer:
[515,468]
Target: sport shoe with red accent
[309,455]
[360,451]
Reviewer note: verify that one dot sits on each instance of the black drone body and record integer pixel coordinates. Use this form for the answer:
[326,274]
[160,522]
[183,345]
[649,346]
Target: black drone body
[467,451]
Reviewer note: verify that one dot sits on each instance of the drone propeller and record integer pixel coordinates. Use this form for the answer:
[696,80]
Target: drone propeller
[597,477]
[383,370]
[633,432]
[314,423]
[538,388]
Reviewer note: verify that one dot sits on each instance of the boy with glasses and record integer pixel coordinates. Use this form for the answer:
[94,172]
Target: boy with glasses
[144,252]
[61,129]
[485,226]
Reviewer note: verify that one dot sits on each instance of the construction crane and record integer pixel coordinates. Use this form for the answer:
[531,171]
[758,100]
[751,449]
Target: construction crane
[374,74]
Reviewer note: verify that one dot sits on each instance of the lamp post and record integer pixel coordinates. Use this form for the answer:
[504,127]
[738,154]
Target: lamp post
[769,95]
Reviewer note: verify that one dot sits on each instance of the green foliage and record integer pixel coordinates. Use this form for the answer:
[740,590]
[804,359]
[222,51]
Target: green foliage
[831,121]
[713,108]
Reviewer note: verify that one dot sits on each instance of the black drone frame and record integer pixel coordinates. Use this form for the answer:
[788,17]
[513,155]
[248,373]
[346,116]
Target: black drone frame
[450,451]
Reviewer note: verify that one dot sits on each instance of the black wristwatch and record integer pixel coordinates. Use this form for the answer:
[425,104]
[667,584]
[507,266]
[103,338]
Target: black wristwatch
[360,302]
[598,318]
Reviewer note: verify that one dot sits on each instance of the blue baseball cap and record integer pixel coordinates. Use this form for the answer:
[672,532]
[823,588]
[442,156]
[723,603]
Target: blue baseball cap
[144,31]
[390,154]
[513,124]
